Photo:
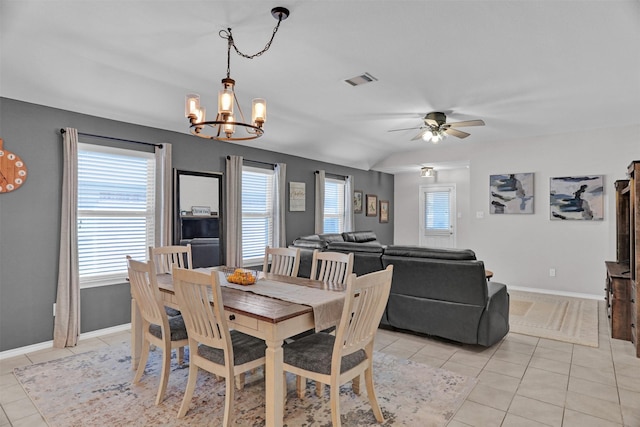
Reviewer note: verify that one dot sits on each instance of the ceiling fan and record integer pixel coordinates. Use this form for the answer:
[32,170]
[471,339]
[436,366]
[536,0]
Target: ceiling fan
[435,128]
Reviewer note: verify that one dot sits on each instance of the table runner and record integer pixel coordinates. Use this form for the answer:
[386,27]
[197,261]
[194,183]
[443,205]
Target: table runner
[327,305]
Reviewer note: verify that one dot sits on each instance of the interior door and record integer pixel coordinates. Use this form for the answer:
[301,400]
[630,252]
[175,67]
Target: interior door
[437,216]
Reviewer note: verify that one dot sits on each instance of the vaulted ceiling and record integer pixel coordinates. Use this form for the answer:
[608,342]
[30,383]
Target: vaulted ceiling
[526,67]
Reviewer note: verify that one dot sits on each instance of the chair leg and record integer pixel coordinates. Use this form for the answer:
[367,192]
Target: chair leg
[188,393]
[355,385]
[301,386]
[240,381]
[164,377]
[228,401]
[144,356]
[319,389]
[180,355]
[373,401]
[334,393]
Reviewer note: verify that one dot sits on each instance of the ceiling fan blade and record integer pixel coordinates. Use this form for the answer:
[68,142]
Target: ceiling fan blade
[456,132]
[395,130]
[419,136]
[466,123]
[431,122]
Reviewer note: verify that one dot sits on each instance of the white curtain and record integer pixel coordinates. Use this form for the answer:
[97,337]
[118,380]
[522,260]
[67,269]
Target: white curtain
[164,213]
[66,329]
[319,214]
[233,209]
[349,217]
[279,226]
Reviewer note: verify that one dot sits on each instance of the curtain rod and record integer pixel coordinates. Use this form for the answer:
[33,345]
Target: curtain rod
[334,175]
[62,131]
[255,161]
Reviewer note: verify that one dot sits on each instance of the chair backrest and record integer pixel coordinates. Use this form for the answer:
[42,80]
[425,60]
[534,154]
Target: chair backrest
[142,279]
[165,256]
[334,267]
[365,300]
[284,261]
[205,322]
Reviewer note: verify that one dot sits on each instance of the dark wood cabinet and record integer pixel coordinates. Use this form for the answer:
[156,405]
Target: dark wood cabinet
[623,275]
[618,296]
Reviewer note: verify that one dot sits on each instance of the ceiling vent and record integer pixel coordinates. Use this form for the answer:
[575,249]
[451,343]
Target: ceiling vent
[361,79]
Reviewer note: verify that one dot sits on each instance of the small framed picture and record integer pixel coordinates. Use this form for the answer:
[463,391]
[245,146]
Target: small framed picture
[384,211]
[357,201]
[372,205]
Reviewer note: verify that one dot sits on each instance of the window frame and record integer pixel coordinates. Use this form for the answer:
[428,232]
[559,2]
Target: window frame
[341,213]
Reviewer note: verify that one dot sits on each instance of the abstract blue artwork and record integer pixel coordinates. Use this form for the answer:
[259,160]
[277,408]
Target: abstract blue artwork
[511,193]
[576,197]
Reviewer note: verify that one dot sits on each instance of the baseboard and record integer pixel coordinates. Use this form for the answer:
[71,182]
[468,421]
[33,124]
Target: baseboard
[555,292]
[49,344]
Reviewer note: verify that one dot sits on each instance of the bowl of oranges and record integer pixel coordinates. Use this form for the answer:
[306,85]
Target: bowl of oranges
[241,276]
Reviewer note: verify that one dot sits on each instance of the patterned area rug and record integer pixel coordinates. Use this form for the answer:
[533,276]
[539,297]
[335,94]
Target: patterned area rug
[573,320]
[95,388]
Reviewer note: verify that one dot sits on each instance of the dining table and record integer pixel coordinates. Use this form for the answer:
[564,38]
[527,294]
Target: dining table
[268,318]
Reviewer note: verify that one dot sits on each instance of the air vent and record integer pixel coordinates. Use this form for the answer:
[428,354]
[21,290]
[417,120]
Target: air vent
[362,79]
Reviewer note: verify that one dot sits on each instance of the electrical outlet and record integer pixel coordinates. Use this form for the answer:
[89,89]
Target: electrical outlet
[552,272]
[479,214]
[54,309]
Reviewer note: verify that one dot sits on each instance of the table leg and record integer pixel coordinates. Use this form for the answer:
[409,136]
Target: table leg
[136,334]
[274,384]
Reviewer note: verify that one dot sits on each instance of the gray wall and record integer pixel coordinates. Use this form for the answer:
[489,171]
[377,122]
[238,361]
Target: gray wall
[30,216]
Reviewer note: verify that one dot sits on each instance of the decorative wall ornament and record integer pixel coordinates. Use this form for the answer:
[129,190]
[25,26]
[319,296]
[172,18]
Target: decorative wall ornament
[576,197]
[511,193]
[297,194]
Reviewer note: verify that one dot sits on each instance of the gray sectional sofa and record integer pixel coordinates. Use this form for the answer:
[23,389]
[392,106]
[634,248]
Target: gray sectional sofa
[439,292]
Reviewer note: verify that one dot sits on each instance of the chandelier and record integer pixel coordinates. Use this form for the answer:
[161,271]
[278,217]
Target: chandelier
[223,128]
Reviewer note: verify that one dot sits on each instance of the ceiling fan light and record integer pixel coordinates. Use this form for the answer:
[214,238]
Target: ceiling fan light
[426,137]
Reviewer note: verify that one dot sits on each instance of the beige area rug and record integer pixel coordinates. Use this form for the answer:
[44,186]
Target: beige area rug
[568,319]
[94,388]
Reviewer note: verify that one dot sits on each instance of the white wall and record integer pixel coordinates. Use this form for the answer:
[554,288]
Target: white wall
[521,249]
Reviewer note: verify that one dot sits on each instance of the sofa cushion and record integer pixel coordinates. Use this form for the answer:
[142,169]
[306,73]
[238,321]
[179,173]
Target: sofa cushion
[332,237]
[369,247]
[360,236]
[309,244]
[425,252]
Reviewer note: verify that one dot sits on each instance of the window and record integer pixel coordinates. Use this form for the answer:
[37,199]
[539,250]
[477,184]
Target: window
[258,213]
[334,206]
[116,210]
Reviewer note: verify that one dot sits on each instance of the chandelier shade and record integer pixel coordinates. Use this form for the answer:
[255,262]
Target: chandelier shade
[227,120]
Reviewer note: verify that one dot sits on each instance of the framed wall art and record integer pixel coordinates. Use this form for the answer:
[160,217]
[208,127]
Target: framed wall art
[357,201]
[384,211]
[372,205]
[511,193]
[576,198]
[297,196]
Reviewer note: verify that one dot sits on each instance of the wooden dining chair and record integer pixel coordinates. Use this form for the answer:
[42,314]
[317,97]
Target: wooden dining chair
[164,257]
[214,348]
[283,261]
[163,332]
[334,360]
[332,268]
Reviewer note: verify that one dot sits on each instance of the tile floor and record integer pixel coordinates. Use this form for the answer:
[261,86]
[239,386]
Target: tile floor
[522,381]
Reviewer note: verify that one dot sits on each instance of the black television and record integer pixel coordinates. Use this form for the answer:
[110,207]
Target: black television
[200,227]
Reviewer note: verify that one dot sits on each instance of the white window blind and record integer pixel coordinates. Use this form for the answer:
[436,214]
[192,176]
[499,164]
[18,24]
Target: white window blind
[334,206]
[257,213]
[437,211]
[116,209]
